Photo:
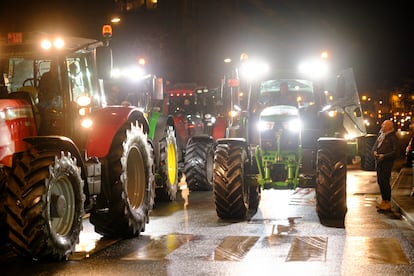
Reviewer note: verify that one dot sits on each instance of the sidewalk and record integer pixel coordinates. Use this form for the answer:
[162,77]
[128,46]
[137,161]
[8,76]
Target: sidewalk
[401,190]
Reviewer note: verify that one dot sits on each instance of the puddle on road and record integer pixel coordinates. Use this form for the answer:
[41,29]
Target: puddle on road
[366,250]
[160,247]
[308,249]
[233,248]
[302,201]
[290,220]
[90,243]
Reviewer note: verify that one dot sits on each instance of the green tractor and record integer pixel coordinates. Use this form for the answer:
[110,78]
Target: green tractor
[272,143]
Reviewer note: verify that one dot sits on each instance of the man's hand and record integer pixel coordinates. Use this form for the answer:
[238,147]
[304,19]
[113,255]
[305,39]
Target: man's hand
[378,156]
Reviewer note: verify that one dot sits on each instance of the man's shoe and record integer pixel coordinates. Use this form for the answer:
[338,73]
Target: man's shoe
[380,204]
[385,205]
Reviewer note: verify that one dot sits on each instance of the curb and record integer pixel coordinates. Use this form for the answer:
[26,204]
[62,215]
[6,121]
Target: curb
[401,190]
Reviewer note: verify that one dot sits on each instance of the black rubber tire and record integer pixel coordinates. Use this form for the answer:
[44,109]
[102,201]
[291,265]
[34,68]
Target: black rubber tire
[44,204]
[198,164]
[3,225]
[255,193]
[231,196]
[168,167]
[367,159]
[331,183]
[129,191]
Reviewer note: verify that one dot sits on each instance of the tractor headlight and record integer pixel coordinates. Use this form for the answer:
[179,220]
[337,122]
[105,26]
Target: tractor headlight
[349,137]
[332,113]
[86,123]
[83,100]
[293,125]
[57,43]
[233,113]
[265,125]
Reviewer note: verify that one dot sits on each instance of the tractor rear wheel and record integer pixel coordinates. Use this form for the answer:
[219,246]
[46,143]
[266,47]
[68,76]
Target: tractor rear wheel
[255,195]
[44,204]
[331,182]
[231,196]
[129,191]
[198,164]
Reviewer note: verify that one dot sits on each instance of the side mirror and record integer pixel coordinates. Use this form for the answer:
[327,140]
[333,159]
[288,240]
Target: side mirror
[103,58]
[357,112]
[158,91]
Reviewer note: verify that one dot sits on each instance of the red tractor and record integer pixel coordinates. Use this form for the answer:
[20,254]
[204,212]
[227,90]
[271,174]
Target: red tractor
[64,151]
[199,122]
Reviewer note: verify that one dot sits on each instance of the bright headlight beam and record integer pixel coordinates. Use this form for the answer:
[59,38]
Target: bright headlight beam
[58,43]
[294,125]
[253,69]
[265,125]
[83,100]
[86,123]
[46,44]
[314,68]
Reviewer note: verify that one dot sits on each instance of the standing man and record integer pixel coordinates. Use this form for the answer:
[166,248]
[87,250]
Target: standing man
[385,152]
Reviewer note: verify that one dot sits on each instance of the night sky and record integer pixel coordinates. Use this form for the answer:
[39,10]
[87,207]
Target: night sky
[376,38]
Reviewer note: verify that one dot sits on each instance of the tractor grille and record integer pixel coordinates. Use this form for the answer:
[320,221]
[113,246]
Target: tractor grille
[288,140]
[278,172]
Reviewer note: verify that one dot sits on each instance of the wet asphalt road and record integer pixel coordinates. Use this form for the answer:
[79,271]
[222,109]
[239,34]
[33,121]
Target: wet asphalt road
[282,238]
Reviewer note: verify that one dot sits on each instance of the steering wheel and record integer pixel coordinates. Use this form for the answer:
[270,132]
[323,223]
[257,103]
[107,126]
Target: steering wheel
[29,82]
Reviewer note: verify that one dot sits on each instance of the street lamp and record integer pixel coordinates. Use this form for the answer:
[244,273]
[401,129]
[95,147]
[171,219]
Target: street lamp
[115,19]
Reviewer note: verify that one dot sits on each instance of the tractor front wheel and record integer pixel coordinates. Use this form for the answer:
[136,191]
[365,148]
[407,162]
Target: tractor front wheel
[44,204]
[129,190]
[231,196]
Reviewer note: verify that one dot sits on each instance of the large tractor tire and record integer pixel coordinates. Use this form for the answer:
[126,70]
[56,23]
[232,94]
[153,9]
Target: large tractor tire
[44,204]
[128,194]
[367,159]
[231,196]
[255,193]
[331,182]
[198,164]
[168,167]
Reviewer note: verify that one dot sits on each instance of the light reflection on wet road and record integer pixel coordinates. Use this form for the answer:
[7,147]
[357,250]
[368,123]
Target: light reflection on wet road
[283,237]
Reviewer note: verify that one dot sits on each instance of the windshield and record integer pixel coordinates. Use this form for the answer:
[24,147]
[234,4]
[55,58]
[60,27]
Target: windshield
[80,79]
[293,92]
[45,79]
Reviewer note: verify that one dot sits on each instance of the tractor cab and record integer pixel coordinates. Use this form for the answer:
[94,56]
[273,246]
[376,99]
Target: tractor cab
[56,75]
